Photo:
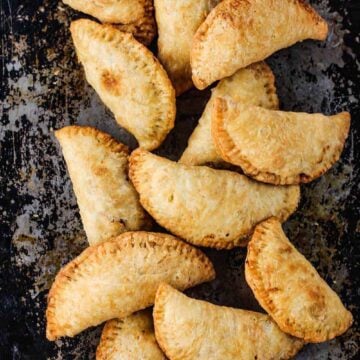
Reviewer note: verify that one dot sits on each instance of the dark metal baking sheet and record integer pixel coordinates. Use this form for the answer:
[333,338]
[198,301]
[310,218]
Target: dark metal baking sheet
[43,88]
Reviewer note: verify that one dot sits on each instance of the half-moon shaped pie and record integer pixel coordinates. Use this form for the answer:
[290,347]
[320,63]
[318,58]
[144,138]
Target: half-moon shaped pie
[119,277]
[278,147]
[189,329]
[98,168]
[289,288]
[130,338]
[129,80]
[177,23]
[206,207]
[254,85]
[238,33]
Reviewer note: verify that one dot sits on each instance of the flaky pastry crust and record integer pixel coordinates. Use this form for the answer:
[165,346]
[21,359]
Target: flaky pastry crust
[135,17]
[254,85]
[129,80]
[189,329]
[238,33]
[98,168]
[119,277]
[289,288]
[278,147]
[206,207]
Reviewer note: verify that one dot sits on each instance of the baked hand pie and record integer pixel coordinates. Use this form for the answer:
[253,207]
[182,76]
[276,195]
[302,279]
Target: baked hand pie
[129,80]
[189,329]
[98,168]
[278,147]
[177,23]
[206,207]
[132,337]
[289,288]
[254,85]
[238,33]
[119,277]
[133,16]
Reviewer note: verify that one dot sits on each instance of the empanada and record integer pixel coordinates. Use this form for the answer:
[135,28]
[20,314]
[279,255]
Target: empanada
[278,147]
[238,33]
[187,329]
[290,289]
[132,16]
[118,277]
[131,338]
[129,80]
[111,11]
[177,23]
[98,167]
[253,85]
[207,207]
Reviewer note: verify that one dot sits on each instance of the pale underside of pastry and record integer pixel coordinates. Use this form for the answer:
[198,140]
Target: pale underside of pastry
[130,338]
[278,147]
[98,168]
[135,17]
[129,80]
[289,288]
[237,33]
[206,207]
[177,23]
[119,277]
[188,329]
[254,85]
[111,11]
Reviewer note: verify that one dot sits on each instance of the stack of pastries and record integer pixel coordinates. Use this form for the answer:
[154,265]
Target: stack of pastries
[235,184]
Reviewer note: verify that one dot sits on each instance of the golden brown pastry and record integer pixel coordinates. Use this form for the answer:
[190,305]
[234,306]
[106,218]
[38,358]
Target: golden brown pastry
[128,79]
[189,329]
[111,11]
[290,289]
[278,147]
[132,16]
[98,167]
[254,85]
[238,33]
[206,207]
[131,338]
[119,277]
[177,23]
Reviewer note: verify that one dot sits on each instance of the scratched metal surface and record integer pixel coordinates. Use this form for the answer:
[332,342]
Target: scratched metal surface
[43,88]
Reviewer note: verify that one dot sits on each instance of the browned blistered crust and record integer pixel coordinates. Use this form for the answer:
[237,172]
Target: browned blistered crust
[220,218]
[98,167]
[145,107]
[290,289]
[189,329]
[253,85]
[330,142]
[245,28]
[107,257]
